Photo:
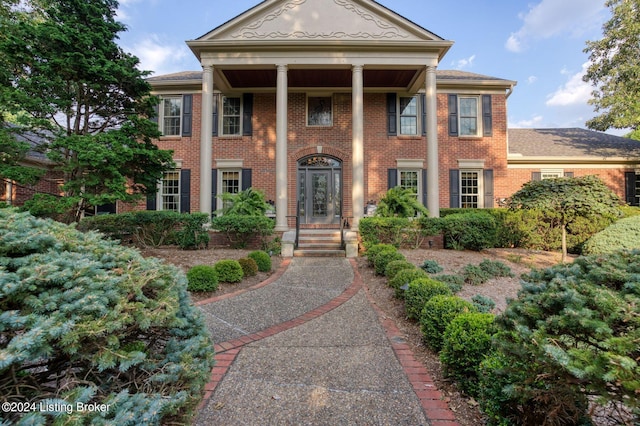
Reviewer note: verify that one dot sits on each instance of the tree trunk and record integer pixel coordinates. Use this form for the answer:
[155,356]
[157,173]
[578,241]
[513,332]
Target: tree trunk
[564,243]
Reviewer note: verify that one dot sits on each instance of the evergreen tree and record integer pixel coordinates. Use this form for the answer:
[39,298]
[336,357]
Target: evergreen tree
[614,69]
[83,94]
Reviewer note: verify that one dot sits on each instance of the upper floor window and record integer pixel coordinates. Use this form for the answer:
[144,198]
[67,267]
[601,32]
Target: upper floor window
[408,107]
[319,111]
[231,116]
[469,123]
[551,173]
[470,116]
[170,115]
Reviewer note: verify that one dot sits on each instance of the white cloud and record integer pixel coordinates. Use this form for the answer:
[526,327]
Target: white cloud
[550,18]
[533,122]
[464,63]
[532,79]
[573,92]
[160,56]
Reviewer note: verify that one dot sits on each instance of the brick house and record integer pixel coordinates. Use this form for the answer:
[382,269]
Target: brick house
[326,104]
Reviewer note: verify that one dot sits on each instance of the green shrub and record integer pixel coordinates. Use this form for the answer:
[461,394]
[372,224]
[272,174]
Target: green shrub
[469,231]
[202,278]
[191,233]
[249,267]
[248,202]
[495,268]
[383,230]
[436,315]
[455,282]
[262,259]
[623,234]
[403,277]
[400,202]
[396,266]
[84,319]
[229,271]
[466,341]
[373,251]
[420,291]
[430,266]
[383,258]
[240,229]
[483,303]
[580,322]
[49,206]
[475,275]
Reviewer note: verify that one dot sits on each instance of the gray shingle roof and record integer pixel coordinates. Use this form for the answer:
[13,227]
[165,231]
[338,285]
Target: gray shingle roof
[571,142]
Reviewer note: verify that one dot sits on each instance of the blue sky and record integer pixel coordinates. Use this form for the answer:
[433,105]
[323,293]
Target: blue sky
[538,43]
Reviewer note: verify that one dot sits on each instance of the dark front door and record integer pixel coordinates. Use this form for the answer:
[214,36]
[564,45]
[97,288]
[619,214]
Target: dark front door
[320,190]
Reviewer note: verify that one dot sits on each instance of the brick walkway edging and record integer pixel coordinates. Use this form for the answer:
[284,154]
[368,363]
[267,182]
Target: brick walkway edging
[435,408]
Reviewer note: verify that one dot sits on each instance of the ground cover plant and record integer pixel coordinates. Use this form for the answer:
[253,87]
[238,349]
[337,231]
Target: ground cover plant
[85,320]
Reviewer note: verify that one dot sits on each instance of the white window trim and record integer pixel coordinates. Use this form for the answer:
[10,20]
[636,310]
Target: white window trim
[221,115]
[161,115]
[478,99]
[418,115]
[551,173]
[319,95]
[219,203]
[160,194]
[418,178]
[480,186]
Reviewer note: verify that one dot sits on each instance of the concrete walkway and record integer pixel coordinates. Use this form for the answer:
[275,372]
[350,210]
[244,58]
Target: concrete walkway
[306,347]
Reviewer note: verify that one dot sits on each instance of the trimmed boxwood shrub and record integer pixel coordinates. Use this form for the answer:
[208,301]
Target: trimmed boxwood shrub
[263,260]
[420,291]
[83,319]
[623,234]
[466,342]
[469,231]
[373,251]
[249,267]
[436,315]
[403,277]
[229,271]
[202,278]
[396,266]
[383,258]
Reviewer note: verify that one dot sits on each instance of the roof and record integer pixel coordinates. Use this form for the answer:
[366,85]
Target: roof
[571,143]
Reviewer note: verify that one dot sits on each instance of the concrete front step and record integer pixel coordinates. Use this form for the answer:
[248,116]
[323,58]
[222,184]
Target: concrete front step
[319,253]
[319,242]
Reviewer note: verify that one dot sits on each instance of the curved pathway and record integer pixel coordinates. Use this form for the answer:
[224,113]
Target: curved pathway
[306,347]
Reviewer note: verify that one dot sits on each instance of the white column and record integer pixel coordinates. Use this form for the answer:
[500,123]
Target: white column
[206,130]
[357,155]
[433,192]
[281,150]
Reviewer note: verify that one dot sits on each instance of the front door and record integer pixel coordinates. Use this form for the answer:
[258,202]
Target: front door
[320,190]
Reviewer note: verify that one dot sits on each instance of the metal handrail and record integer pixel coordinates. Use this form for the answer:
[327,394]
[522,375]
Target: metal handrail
[297,224]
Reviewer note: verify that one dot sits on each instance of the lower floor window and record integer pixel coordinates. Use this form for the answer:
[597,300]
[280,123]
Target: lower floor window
[470,189]
[170,191]
[637,198]
[229,184]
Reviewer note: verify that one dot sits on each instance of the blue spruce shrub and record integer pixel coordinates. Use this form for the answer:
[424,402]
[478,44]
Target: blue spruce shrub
[83,319]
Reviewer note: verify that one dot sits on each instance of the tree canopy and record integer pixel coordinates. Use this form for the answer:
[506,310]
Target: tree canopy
[567,199]
[614,70]
[71,83]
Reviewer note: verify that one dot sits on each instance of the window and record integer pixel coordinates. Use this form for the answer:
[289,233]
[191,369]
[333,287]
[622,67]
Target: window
[231,116]
[170,113]
[319,111]
[170,191]
[229,184]
[471,189]
[408,115]
[551,173]
[469,116]
[409,180]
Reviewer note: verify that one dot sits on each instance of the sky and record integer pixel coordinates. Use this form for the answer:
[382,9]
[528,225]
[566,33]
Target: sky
[538,43]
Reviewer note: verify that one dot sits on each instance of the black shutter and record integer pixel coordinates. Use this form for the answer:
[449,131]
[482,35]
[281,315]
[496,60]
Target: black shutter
[423,103]
[453,115]
[454,188]
[392,114]
[187,115]
[246,179]
[630,189]
[536,176]
[214,190]
[488,188]
[392,178]
[424,187]
[487,116]
[156,111]
[185,191]
[216,99]
[247,114]
[152,201]
[568,174]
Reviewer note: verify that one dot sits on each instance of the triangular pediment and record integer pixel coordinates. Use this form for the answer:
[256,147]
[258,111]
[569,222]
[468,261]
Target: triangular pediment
[319,20]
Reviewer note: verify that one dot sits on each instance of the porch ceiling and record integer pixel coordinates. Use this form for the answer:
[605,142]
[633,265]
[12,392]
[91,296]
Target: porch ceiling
[320,78]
